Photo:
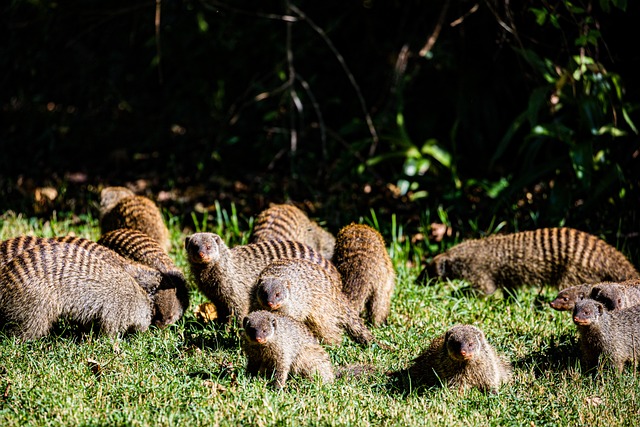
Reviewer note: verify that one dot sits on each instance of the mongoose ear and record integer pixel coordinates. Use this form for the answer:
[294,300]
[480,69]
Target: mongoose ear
[245,321]
[273,322]
[600,308]
[186,241]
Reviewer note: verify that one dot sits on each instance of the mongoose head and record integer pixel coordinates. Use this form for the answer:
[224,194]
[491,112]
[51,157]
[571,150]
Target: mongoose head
[203,248]
[610,295]
[259,326]
[463,342]
[172,300]
[110,196]
[567,298]
[272,292]
[443,266]
[587,312]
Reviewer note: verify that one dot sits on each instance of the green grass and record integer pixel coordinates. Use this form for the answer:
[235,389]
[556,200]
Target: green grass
[193,373]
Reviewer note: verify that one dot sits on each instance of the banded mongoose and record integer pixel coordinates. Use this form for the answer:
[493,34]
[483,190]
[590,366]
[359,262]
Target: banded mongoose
[173,299]
[566,298]
[122,208]
[560,257]
[277,345]
[461,358]
[228,276]
[368,276]
[616,296]
[287,222]
[148,278]
[612,336]
[58,279]
[306,292]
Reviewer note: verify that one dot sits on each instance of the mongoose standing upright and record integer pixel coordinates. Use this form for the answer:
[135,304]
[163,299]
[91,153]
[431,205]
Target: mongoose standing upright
[560,257]
[614,335]
[566,298]
[616,296]
[306,292]
[228,276]
[368,277]
[148,278]
[121,208]
[57,279]
[277,345]
[461,358]
[287,222]
[172,300]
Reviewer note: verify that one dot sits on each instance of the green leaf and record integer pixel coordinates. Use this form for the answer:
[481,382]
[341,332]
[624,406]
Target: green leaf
[611,130]
[541,15]
[203,25]
[627,119]
[441,155]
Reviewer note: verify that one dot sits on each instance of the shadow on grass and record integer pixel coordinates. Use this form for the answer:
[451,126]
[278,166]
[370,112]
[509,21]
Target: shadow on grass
[561,354]
[211,335]
[401,384]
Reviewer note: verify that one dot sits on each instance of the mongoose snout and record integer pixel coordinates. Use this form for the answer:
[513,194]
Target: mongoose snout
[460,349]
[260,333]
[199,252]
[584,314]
[272,292]
[559,303]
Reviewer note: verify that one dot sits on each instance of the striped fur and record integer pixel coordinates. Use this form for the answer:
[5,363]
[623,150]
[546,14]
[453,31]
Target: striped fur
[560,257]
[173,299]
[121,208]
[62,279]
[306,292]
[368,277]
[228,276]
[287,222]
[148,278]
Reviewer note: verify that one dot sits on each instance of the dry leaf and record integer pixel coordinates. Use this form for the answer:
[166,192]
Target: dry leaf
[214,386]
[206,312]
[95,367]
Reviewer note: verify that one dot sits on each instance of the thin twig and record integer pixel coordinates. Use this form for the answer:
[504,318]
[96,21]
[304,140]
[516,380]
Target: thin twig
[460,20]
[158,52]
[363,105]
[316,108]
[431,41]
[208,5]
[294,99]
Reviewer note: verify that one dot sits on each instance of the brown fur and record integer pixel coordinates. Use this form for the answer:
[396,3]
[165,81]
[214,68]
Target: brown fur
[560,257]
[461,358]
[306,292]
[277,345]
[173,299]
[608,337]
[121,208]
[616,296]
[368,277]
[228,276]
[287,222]
[566,299]
[148,278]
[40,285]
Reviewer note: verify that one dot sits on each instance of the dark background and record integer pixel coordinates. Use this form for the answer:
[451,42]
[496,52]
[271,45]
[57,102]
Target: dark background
[499,122]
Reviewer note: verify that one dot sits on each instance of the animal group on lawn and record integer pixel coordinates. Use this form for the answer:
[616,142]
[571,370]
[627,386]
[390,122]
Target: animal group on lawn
[296,289]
